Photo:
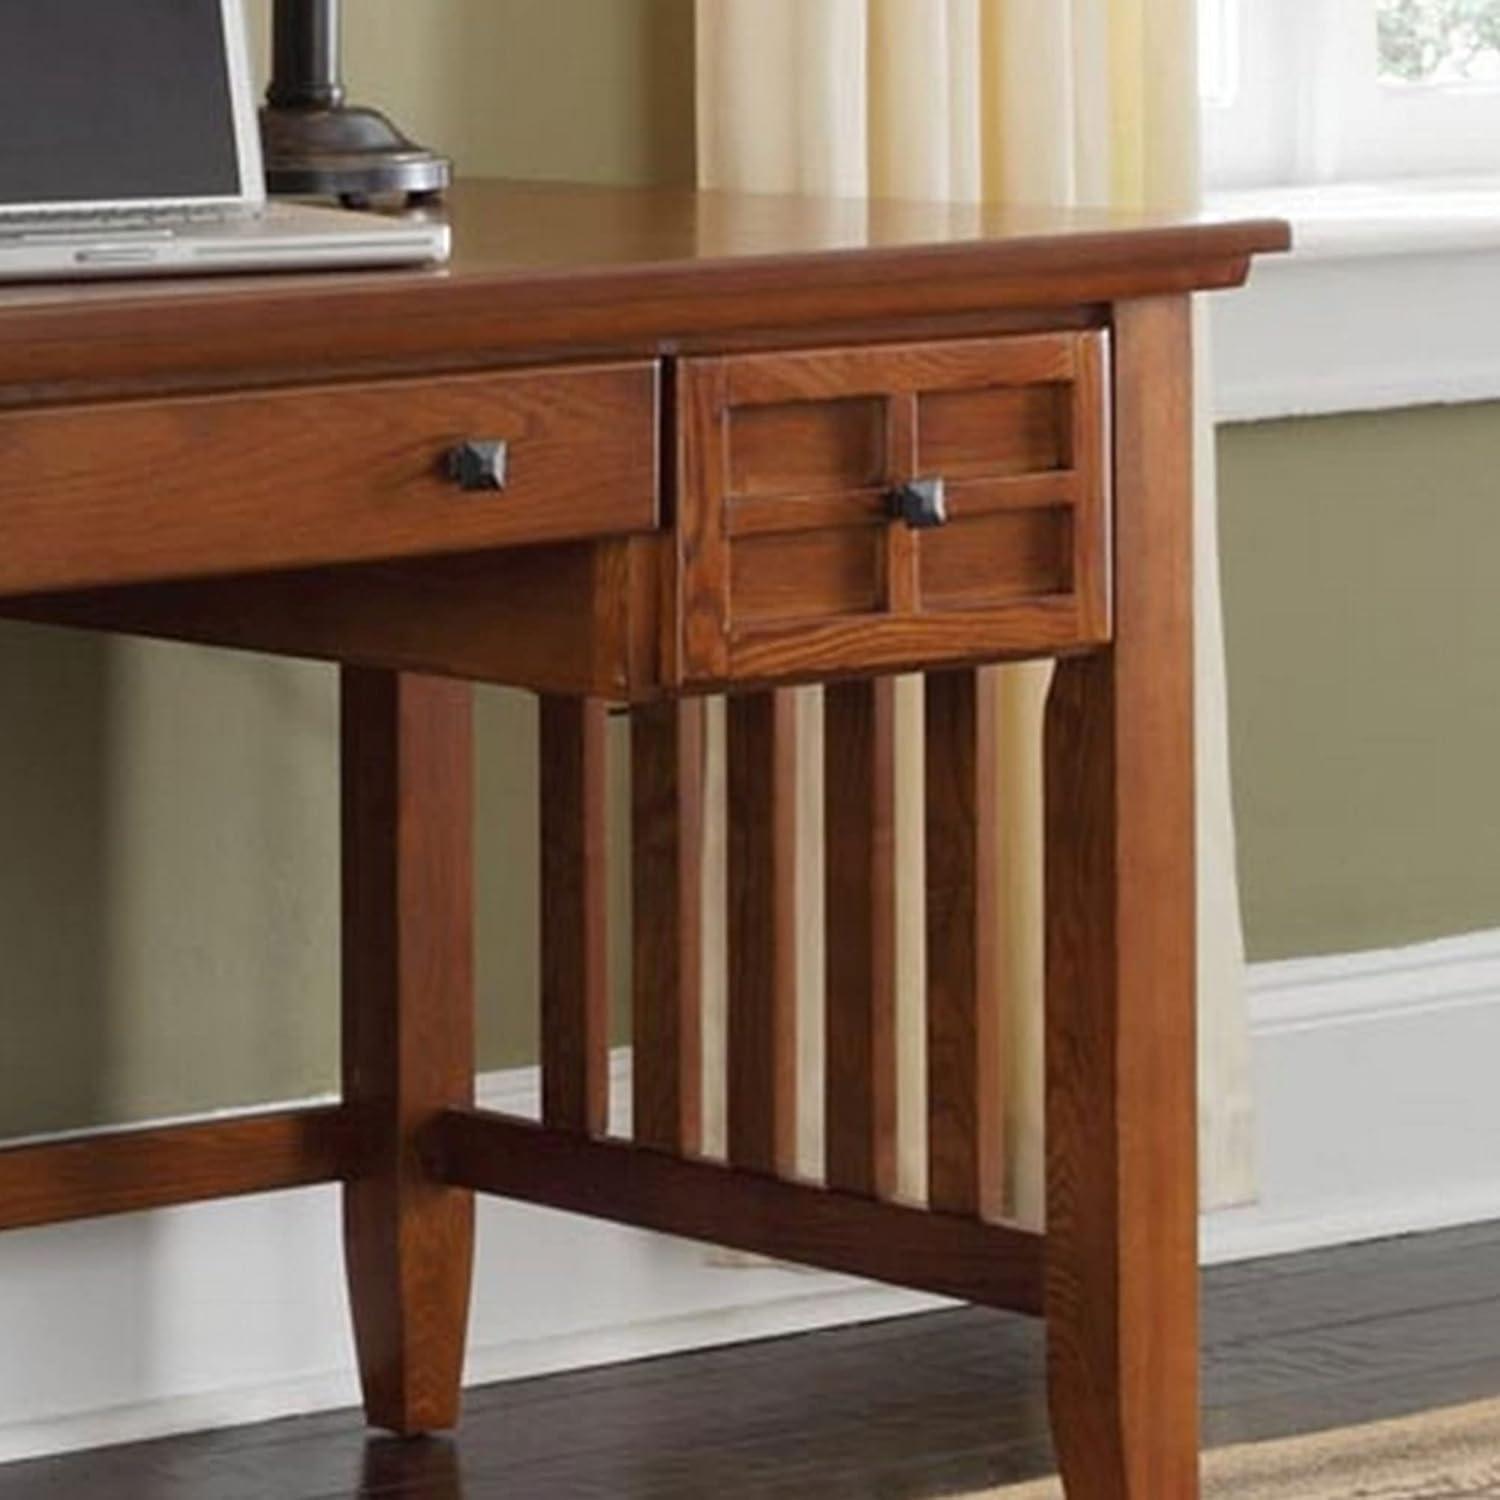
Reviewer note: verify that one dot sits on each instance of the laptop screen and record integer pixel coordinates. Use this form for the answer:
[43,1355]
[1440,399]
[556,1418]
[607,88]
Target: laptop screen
[106,101]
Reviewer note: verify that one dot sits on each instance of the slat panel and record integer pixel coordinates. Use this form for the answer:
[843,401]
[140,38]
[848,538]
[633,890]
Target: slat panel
[667,791]
[575,896]
[988,1264]
[965,1170]
[762,814]
[860,801]
[127,1171]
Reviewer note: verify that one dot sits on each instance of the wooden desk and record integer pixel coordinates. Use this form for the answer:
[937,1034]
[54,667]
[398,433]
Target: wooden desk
[717,415]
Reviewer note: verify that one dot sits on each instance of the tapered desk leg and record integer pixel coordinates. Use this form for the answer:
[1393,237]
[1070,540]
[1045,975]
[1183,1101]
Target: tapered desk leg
[1121,1088]
[408,1034]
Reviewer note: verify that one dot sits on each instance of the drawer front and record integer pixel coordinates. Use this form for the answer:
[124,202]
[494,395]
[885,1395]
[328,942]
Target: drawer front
[290,478]
[804,547]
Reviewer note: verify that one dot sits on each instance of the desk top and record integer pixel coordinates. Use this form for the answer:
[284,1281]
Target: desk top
[545,267]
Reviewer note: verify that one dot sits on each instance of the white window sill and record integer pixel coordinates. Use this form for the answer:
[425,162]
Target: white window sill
[1390,298]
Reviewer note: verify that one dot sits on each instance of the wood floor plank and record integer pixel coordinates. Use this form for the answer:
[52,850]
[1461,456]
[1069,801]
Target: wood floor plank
[1372,1257]
[1411,1346]
[908,1409]
[1339,1295]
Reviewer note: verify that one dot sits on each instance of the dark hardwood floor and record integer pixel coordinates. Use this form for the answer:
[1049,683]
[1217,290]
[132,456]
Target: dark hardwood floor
[901,1410]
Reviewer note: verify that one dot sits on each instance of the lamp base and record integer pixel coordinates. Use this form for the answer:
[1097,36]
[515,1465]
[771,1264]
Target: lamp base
[353,154]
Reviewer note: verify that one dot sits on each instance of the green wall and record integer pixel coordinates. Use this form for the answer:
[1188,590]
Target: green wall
[592,90]
[1362,601]
[168,884]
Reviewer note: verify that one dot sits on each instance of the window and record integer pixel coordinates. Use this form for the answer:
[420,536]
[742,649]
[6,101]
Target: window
[1303,91]
[1218,56]
[1438,42]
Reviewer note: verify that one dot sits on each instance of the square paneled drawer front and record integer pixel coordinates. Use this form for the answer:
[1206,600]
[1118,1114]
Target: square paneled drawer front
[895,505]
[183,486]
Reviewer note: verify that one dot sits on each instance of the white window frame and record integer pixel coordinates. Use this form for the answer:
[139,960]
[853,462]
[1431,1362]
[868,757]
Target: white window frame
[1305,103]
[1388,299]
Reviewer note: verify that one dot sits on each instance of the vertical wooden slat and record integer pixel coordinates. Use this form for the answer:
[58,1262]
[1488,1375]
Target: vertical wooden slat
[408,1033]
[762,814]
[965,1144]
[575,896]
[860,879]
[1122,1177]
[667,797]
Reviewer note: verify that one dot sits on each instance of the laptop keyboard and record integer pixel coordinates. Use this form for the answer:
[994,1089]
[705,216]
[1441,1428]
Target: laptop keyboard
[27,224]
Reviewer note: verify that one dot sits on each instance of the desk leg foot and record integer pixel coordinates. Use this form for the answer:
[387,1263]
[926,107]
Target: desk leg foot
[408,1037]
[1122,1188]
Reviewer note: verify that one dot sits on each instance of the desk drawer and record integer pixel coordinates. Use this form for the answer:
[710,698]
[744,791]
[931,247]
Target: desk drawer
[893,505]
[292,478]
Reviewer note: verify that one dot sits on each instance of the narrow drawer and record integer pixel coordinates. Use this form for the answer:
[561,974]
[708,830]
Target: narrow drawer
[180,487]
[810,536]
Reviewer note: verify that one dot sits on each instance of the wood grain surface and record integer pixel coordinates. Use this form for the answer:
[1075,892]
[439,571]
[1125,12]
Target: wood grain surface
[408,1034]
[763,902]
[559,619]
[573,756]
[790,562]
[667,743]
[860,905]
[543,267]
[708,399]
[965,1002]
[989,1264]
[129,1170]
[1122,1175]
[910,369]
[699,603]
[128,491]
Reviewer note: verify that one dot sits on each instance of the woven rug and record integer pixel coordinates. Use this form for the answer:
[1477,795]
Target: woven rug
[1446,1455]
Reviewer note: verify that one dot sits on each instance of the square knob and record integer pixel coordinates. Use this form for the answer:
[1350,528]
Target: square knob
[479,464]
[921,503]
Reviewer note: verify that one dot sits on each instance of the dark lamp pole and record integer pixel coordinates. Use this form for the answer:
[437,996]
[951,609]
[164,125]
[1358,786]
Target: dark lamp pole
[316,144]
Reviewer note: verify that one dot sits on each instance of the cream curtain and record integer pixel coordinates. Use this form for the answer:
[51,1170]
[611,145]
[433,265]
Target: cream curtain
[1050,101]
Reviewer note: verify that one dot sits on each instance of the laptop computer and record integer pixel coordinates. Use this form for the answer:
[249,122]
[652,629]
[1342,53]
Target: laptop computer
[129,145]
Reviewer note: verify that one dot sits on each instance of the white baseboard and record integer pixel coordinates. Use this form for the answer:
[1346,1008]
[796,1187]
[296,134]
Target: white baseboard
[1378,1117]
[1378,1111]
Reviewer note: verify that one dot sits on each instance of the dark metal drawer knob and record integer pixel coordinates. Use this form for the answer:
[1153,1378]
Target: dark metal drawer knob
[479,464]
[921,503]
